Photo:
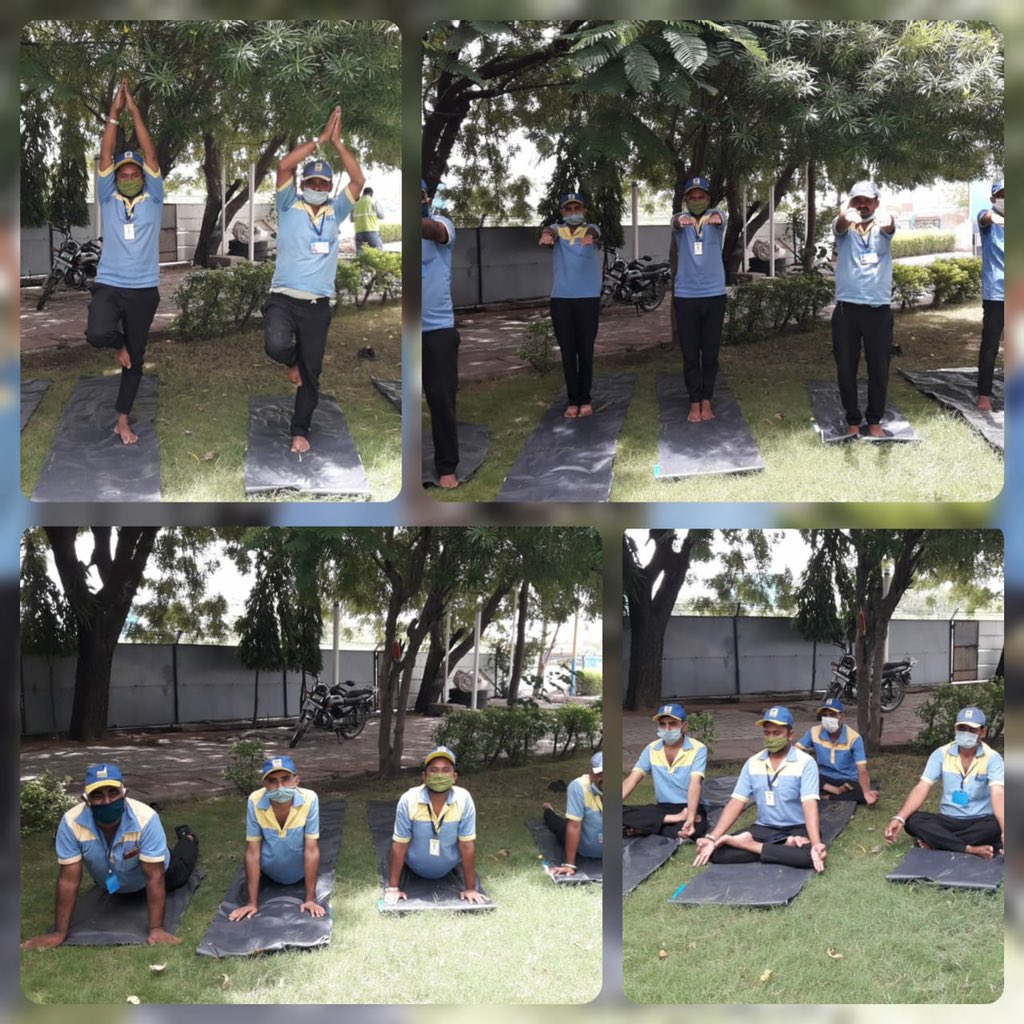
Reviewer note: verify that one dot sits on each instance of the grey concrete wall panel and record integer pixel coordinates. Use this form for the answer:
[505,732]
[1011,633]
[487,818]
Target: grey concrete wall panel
[698,657]
[926,640]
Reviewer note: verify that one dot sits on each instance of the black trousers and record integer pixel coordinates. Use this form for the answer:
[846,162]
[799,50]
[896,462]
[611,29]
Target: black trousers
[774,850]
[699,326]
[440,385]
[295,333]
[855,794]
[991,333]
[575,324]
[183,863]
[852,325]
[649,819]
[942,832]
[121,318]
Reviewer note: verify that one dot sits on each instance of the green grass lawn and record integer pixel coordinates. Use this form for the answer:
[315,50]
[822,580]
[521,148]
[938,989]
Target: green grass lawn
[890,943]
[951,463]
[202,405]
[541,945]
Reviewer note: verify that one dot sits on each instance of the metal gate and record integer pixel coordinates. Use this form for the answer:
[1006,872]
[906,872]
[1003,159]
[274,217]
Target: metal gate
[965,651]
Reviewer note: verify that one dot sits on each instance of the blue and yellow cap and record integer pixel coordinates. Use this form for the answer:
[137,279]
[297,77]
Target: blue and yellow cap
[697,181]
[777,716]
[318,169]
[832,704]
[572,197]
[437,752]
[971,716]
[278,764]
[129,156]
[99,775]
[671,710]
[997,186]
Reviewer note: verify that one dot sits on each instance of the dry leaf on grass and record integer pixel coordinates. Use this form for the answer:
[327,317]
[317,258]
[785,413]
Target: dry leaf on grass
[832,953]
[765,976]
[209,456]
[134,1000]
[157,968]
[692,945]
[225,980]
[662,953]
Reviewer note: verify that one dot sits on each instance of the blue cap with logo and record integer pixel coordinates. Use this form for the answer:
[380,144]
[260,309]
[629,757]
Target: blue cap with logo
[777,716]
[971,716]
[864,188]
[318,169]
[99,775]
[129,156]
[670,711]
[441,751]
[997,186]
[697,181]
[278,764]
[597,762]
[572,197]
[832,704]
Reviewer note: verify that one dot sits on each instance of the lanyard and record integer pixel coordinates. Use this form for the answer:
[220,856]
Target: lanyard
[960,768]
[437,820]
[128,206]
[771,778]
[313,218]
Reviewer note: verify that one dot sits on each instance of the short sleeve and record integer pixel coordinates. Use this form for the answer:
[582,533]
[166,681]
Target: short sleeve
[643,763]
[286,195]
[467,823]
[933,769]
[68,849]
[252,827]
[809,780]
[700,762]
[449,227]
[312,829]
[594,227]
[995,769]
[154,185]
[835,232]
[984,228]
[574,805]
[859,756]
[744,787]
[153,845]
[106,184]
[807,740]
[403,822]
[343,203]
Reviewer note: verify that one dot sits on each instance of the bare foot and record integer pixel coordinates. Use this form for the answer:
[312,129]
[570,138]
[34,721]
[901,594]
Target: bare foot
[830,787]
[705,410]
[122,357]
[797,841]
[125,432]
[586,409]
[922,845]
[694,414]
[875,430]
[547,807]
[449,481]
[984,852]
[984,403]
[300,444]
[292,374]
[852,429]
[571,412]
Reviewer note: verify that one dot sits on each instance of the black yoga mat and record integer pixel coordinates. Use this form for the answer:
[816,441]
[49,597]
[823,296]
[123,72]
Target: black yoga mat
[102,919]
[721,445]
[830,417]
[473,444]
[572,460]
[958,390]
[588,869]
[32,392]
[761,885]
[642,856]
[952,870]
[390,389]
[278,924]
[88,461]
[424,894]
[331,467]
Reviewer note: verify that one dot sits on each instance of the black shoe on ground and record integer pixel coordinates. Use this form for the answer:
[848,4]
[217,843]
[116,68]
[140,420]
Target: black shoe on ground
[183,831]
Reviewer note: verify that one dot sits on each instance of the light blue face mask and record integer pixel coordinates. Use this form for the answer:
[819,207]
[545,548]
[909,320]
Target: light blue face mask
[574,220]
[282,795]
[670,735]
[313,197]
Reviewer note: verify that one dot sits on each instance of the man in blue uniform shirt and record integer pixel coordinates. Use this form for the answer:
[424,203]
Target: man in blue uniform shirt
[581,831]
[440,339]
[575,297]
[990,224]
[435,830]
[677,764]
[783,781]
[282,833]
[297,315]
[699,294]
[121,842]
[125,295]
[863,240]
[839,751]
[970,818]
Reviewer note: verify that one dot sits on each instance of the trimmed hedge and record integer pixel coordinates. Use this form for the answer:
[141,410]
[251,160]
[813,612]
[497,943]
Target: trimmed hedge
[479,738]
[759,308]
[909,282]
[390,232]
[955,280]
[922,243]
[213,303]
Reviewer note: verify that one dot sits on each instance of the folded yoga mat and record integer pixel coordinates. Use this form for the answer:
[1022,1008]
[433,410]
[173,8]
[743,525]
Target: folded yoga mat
[642,856]
[572,460]
[331,467]
[830,418]
[588,869]
[952,870]
[761,885]
[424,894]
[473,444]
[721,445]
[32,392]
[278,924]
[957,389]
[390,389]
[101,919]
[88,461]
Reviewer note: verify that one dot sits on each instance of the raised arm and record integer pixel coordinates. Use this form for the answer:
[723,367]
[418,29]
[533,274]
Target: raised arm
[304,150]
[110,128]
[356,178]
[141,131]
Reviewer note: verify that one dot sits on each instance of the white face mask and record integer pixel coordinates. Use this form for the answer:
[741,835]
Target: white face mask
[829,724]
[670,735]
[997,205]
[965,739]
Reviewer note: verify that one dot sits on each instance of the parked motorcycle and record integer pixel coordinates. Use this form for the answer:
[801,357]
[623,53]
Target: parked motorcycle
[895,679]
[639,283]
[74,264]
[343,708]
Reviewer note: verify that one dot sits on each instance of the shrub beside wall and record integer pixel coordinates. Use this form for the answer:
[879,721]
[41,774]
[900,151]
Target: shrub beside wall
[759,308]
[938,713]
[922,242]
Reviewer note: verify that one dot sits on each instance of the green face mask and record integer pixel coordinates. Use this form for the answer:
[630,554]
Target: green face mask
[775,743]
[696,207]
[439,782]
[130,188]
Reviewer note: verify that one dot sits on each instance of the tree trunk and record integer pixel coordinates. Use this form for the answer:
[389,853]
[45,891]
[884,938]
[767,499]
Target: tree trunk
[812,214]
[429,684]
[256,699]
[646,649]
[520,645]
[732,243]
